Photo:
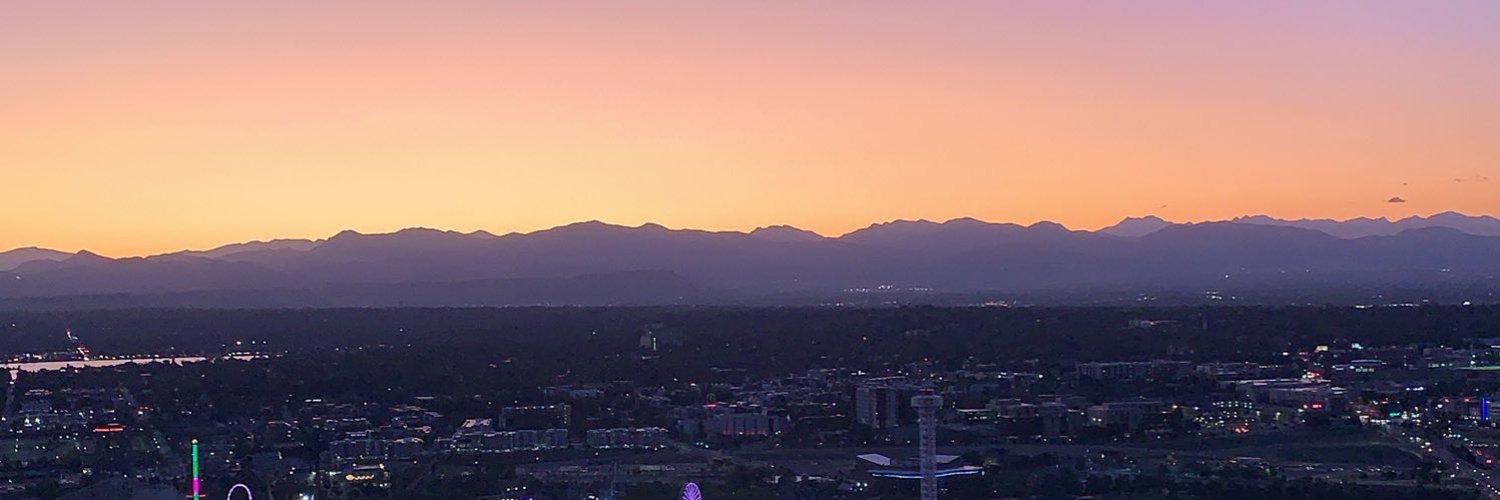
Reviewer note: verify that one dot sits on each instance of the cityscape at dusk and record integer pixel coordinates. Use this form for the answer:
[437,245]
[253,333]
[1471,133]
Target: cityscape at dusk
[668,250]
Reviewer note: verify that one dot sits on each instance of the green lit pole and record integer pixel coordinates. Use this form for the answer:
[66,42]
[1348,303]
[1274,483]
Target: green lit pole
[196,495]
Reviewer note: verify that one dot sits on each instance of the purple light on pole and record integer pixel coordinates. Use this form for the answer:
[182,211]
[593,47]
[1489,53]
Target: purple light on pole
[690,492]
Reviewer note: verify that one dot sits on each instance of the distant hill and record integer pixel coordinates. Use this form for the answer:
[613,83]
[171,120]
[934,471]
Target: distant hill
[594,263]
[1136,226]
[785,233]
[14,258]
[1363,226]
[255,246]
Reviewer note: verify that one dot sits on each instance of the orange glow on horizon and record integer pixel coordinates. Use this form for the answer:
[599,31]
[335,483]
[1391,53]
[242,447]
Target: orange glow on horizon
[154,126]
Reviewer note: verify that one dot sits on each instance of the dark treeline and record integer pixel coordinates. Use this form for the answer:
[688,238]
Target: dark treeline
[602,342]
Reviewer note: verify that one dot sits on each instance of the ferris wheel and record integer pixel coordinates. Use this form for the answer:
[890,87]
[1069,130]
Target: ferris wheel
[232,489]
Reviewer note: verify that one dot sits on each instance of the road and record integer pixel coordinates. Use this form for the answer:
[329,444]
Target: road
[10,395]
[1488,483]
[83,350]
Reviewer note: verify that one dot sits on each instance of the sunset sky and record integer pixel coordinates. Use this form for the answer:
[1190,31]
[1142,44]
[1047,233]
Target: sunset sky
[139,127]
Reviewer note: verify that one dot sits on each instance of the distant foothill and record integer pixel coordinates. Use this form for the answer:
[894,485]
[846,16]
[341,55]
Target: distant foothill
[594,263]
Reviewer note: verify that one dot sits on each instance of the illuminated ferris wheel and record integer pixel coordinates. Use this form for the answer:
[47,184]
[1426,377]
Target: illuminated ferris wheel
[232,489]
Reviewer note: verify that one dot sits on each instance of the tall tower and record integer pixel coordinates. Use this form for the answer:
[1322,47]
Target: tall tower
[197,494]
[927,405]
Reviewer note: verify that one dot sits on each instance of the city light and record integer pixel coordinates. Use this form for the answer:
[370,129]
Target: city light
[197,485]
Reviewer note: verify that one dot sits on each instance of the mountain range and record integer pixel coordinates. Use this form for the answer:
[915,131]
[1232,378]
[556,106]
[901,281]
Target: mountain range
[594,263]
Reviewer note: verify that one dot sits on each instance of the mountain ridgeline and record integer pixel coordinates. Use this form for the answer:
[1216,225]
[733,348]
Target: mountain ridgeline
[594,263]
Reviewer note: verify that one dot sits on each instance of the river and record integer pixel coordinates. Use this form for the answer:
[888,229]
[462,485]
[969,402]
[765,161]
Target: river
[36,366]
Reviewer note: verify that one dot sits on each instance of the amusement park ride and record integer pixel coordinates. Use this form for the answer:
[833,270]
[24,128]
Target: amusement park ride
[198,483]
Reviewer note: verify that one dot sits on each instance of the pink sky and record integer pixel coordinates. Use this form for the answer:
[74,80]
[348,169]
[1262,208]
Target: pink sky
[149,126]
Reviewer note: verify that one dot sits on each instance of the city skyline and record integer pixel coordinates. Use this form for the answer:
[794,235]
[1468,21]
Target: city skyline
[156,126]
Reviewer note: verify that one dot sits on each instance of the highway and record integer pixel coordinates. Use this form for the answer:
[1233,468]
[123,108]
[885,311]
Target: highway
[1488,482]
[10,395]
[83,350]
